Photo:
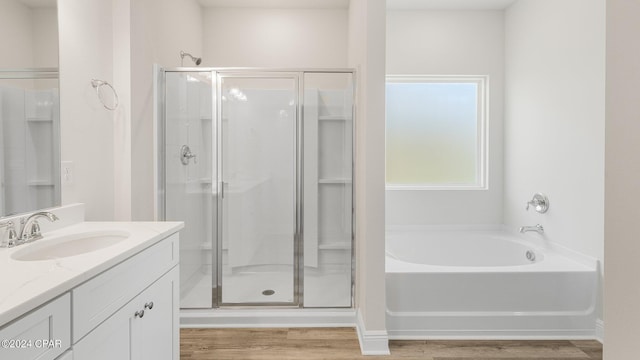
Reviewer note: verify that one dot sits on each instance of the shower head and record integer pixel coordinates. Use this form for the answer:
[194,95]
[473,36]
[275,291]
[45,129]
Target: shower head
[196,60]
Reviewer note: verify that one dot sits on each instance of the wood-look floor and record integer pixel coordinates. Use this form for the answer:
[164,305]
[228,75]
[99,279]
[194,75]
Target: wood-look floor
[342,344]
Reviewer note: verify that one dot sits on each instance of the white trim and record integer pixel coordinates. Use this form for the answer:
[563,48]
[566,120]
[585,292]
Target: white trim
[265,318]
[491,326]
[482,81]
[600,330]
[491,335]
[372,342]
[436,187]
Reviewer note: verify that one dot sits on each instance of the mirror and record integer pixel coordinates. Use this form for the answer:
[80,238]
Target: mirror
[29,106]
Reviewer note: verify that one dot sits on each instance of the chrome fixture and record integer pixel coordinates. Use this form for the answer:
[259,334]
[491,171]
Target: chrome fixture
[186,155]
[140,313]
[30,227]
[537,228]
[531,256]
[196,60]
[540,203]
[11,237]
[97,84]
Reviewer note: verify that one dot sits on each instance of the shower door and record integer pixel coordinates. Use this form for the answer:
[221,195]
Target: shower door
[258,211]
[188,172]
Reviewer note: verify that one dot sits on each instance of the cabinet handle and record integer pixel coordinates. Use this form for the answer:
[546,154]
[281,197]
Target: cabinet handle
[139,314]
[149,305]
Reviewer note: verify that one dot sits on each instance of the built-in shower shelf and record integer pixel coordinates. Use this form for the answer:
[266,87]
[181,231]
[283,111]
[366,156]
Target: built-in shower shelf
[39,119]
[206,246]
[334,117]
[334,181]
[40,183]
[205,181]
[205,118]
[339,245]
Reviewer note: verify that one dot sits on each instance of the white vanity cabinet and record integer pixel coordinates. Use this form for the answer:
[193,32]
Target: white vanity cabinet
[66,356]
[130,312]
[145,328]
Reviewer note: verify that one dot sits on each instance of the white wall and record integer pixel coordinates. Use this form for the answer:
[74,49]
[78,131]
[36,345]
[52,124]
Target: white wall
[622,193]
[86,52]
[261,37]
[122,115]
[554,119]
[367,54]
[45,37]
[16,34]
[159,30]
[423,42]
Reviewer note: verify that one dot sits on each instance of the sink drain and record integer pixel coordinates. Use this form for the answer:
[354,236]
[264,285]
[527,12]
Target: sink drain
[268,292]
[531,256]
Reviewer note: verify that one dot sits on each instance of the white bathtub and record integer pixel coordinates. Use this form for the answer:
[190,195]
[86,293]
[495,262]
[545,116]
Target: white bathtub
[481,284]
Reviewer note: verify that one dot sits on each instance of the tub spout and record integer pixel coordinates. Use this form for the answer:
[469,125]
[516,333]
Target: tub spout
[537,228]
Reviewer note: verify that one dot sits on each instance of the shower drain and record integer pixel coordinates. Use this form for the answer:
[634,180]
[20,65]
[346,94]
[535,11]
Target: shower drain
[268,292]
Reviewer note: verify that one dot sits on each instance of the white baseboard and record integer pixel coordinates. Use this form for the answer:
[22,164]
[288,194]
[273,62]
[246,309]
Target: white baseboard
[265,318]
[374,342]
[600,330]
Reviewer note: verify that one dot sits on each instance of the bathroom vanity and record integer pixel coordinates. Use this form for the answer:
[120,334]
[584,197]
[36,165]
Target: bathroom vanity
[92,291]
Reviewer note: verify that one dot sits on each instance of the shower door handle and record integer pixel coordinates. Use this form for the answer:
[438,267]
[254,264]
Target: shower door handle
[222,184]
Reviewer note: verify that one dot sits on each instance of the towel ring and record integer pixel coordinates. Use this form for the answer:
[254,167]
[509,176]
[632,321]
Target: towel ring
[97,84]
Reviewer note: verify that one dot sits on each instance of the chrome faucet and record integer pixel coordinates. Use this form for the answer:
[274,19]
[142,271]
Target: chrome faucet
[31,229]
[11,237]
[537,228]
[540,203]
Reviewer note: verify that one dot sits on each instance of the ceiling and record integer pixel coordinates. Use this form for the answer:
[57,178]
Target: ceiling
[282,4]
[333,4]
[448,4]
[344,4]
[39,3]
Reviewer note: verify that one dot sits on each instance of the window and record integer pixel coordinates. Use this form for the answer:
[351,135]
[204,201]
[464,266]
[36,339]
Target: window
[436,132]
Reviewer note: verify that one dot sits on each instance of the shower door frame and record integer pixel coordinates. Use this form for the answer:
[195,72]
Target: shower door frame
[298,271]
[160,183]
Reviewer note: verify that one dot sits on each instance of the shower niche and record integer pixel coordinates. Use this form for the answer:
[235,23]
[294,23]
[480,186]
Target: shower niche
[265,190]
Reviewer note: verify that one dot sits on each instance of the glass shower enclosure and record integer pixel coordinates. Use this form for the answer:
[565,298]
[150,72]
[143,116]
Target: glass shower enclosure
[258,163]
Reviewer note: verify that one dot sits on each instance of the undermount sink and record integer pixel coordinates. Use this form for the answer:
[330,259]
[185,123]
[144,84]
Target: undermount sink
[69,245]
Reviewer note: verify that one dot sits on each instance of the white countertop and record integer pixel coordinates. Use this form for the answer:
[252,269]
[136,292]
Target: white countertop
[25,285]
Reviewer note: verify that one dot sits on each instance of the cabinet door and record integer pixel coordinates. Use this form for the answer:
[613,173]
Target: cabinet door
[155,335]
[66,356]
[42,334]
[111,340]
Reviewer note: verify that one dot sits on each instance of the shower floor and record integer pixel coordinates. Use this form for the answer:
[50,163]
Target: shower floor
[253,286]
[321,289]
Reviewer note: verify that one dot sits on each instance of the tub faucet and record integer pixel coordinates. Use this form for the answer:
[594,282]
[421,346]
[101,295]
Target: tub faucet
[537,228]
[31,229]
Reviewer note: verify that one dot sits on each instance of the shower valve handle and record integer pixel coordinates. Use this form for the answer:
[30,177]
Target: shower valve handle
[186,155]
[540,203]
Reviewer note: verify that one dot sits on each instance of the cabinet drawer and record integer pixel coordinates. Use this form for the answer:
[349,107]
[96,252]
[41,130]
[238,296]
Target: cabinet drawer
[100,297]
[42,334]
